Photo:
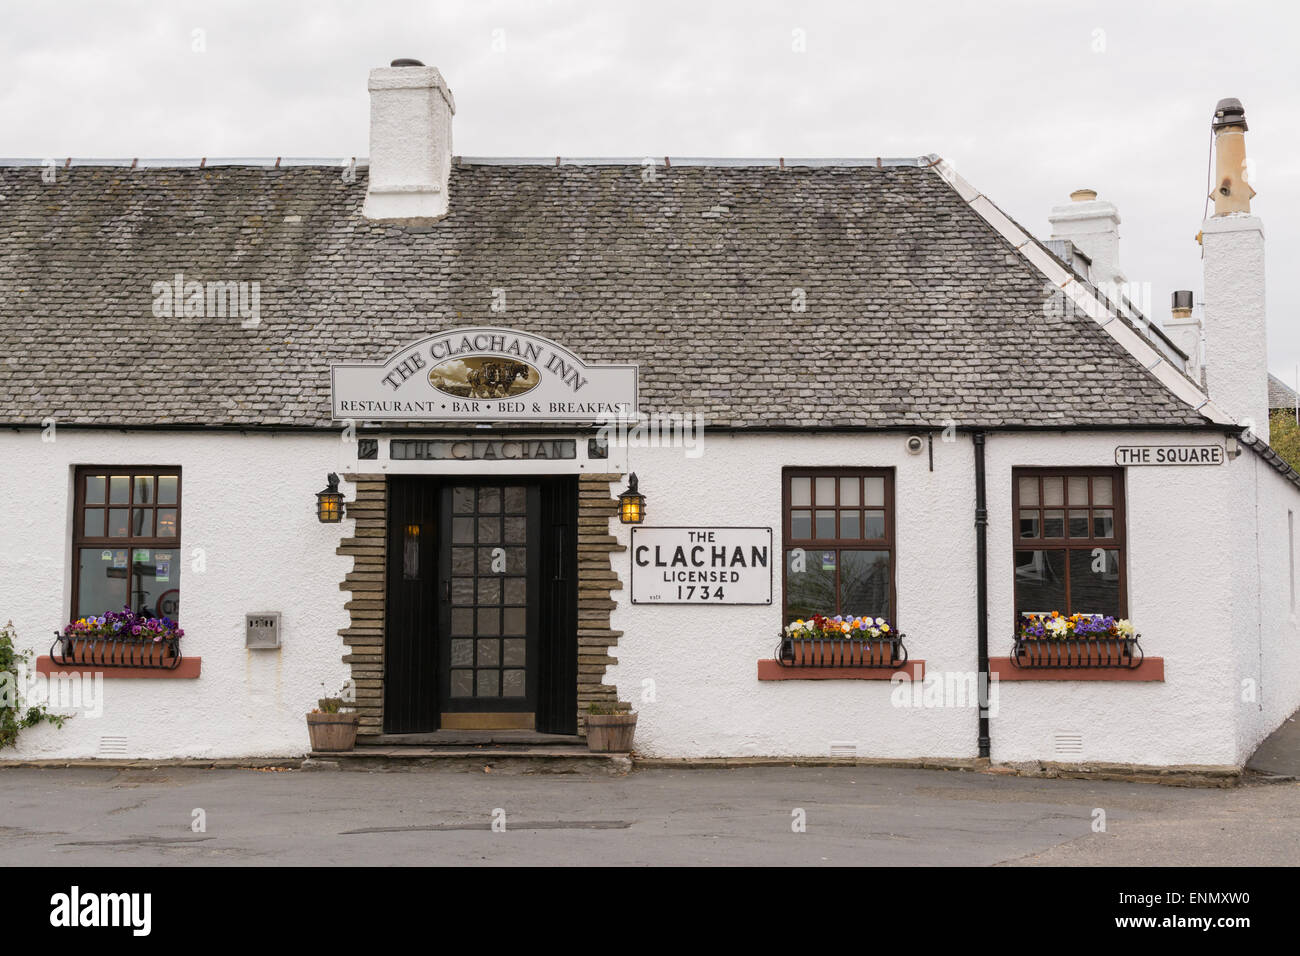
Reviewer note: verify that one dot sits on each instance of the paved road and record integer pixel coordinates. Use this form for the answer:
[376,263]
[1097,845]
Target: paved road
[737,816]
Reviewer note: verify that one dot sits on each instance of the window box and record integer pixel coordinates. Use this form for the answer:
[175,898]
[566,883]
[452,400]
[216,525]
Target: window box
[842,652]
[115,652]
[1077,652]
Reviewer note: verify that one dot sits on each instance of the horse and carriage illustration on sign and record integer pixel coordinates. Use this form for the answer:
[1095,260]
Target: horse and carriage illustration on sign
[484,378]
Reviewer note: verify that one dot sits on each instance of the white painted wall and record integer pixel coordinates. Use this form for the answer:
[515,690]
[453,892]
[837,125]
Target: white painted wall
[1195,569]
[248,502]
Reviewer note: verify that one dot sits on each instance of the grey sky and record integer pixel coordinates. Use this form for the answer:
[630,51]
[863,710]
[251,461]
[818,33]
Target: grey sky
[1027,99]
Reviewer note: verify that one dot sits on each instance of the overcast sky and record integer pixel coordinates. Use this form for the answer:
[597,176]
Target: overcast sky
[1028,99]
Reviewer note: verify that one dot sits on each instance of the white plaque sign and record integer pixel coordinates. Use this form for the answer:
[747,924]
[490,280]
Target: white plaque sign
[1169,455]
[483,375]
[702,565]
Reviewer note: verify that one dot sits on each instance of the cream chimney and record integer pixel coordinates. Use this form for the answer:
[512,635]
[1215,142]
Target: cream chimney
[410,143]
[1232,241]
[1093,226]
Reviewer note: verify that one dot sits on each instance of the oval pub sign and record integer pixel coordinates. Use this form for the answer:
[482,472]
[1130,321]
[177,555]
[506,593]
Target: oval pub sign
[483,374]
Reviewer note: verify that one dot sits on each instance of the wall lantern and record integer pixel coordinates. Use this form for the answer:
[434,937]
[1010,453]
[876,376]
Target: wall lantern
[329,503]
[631,503]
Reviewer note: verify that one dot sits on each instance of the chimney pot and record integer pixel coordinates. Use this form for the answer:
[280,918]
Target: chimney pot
[1229,112]
[1182,301]
[1083,195]
[405,61]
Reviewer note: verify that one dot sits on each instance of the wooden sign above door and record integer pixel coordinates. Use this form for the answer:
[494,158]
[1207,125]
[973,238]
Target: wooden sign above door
[483,375]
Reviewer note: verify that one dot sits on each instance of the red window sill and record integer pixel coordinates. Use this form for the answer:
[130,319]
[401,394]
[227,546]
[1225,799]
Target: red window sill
[771,670]
[188,669]
[1151,669]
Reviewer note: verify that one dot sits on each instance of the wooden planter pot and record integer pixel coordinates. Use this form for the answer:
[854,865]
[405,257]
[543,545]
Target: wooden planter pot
[112,652]
[610,733]
[332,733]
[1074,652]
[843,652]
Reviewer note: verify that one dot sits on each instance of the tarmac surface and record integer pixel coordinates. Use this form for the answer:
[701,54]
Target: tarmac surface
[739,816]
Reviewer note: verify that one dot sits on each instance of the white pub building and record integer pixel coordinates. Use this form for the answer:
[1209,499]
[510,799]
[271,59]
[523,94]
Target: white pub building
[482,442]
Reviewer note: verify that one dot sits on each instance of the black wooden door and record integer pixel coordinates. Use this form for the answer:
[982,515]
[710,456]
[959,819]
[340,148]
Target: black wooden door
[411,643]
[557,670]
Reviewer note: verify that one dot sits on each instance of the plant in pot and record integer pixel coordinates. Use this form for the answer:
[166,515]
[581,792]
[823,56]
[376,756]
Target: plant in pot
[1077,640]
[332,729]
[610,728]
[122,638]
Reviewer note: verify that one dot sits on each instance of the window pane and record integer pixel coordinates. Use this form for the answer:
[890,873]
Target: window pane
[156,582]
[119,488]
[1079,523]
[1029,524]
[462,591]
[801,491]
[1103,524]
[849,524]
[826,524]
[102,581]
[1078,490]
[167,489]
[825,491]
[1094,582]
[94,523]
[462,500]
[513,620]
[875,492]
[516,590]
[489,530]
[462,620]
[489,652]
[143,494]
[487,683]
[512,683]
[515,652]
[516,499]
[1101,491]
[95,489]
[873,525]
[516,530]
[489,590]
[1040,582]
[462,560]
[489,622]
[1053,492]
[864,583]
[167,523]
[1029,491]
[462,683]
[848,492]
[462,652]
[811,590]
[1053,524]
[117,522]
[142,522]
[462,530]
[801,525]
[489,499]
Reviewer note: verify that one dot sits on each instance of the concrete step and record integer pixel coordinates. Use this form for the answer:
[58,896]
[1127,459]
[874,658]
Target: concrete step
[479,759]
[473,738]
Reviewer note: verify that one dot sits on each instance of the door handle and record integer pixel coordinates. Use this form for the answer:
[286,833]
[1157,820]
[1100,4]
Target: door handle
[446,590]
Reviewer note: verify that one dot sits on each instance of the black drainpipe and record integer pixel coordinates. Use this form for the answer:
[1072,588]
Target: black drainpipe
[982,591]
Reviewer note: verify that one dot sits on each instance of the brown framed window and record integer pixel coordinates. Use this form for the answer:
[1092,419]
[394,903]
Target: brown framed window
[126,539]
[838,532]
[1069,541]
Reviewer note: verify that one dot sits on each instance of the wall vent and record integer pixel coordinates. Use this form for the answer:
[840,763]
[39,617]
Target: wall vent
[1069,745]
[112,746]
[841,748]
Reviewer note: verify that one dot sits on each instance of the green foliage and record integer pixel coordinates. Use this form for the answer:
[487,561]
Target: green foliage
[602,709]
[1284,436]
[15,715]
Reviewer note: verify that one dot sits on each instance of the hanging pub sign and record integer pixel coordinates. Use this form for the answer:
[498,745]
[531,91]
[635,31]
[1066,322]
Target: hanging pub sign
[701,565]
[1169,455]
[483,375]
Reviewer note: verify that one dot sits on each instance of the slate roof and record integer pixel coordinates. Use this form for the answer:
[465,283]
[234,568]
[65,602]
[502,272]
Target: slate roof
[1280,395]
[917,311]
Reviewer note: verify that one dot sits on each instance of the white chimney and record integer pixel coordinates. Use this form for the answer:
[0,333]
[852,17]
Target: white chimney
[1093,226]
[1232,242]
[410,143]
[1184,330]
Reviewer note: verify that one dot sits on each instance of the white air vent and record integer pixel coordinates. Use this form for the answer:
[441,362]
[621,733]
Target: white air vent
[1069,745]
[112,746]
[841,748]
